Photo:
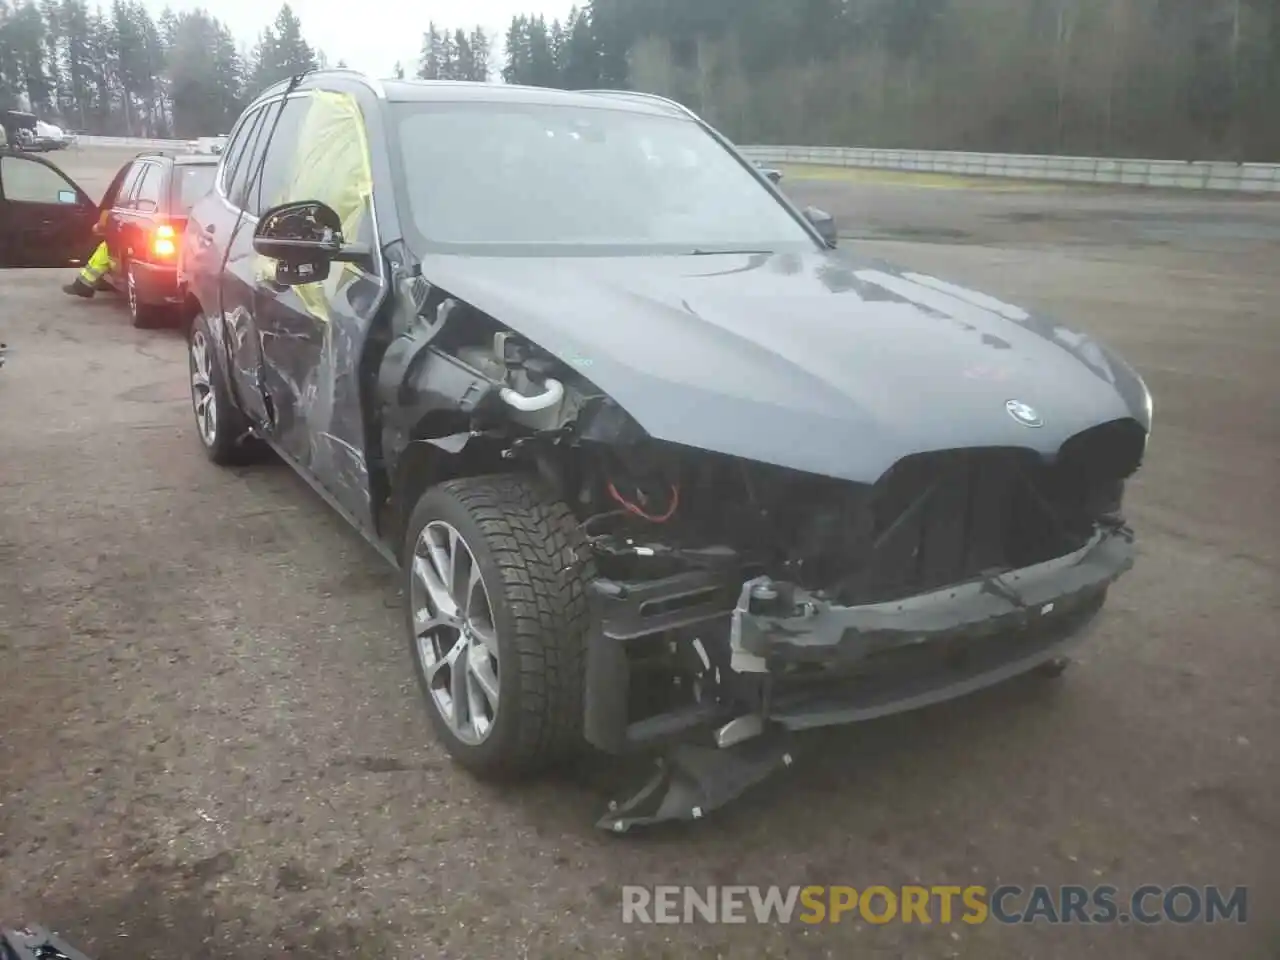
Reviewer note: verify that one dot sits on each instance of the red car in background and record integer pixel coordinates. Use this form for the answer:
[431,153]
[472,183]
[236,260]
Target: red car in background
[144,212]
[47,220]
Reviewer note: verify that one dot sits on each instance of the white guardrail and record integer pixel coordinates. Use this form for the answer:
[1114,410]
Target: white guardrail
[1167,174]
[130,143]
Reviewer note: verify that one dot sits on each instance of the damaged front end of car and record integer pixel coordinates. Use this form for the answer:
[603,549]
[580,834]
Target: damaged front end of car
[735,602]
[781,602]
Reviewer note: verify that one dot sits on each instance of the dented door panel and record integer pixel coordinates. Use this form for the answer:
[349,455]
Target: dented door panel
[312,336]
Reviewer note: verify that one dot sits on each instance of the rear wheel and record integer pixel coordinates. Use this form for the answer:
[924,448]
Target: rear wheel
[220,425]
[496,612]
[143,315]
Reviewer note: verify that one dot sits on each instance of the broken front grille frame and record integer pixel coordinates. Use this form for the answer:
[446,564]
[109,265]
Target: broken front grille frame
[952,516]
[948,547]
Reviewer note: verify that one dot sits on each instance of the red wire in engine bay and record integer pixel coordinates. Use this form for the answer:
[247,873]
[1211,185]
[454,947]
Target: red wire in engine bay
[632,509]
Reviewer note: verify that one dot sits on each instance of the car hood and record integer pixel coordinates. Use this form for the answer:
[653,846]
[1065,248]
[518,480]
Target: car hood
[812,361]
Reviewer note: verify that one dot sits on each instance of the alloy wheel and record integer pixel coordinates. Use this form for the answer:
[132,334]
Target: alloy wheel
[202,398]
[454,635]
[132,286]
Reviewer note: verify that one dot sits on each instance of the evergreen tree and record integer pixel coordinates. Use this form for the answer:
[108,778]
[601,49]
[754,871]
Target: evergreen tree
[479,43]
[431,59]
[1193,79]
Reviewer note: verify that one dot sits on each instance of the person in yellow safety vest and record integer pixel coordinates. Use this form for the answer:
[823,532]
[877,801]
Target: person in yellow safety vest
[100,263]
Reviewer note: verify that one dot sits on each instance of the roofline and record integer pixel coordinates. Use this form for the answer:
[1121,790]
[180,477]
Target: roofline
[380,91]
[280,86]
[649,97]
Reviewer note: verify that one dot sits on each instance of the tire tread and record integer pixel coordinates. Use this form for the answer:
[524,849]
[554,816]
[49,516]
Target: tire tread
[543,563]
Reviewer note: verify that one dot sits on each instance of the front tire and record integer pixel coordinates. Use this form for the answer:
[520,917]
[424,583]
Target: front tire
[495,575]
[220,425]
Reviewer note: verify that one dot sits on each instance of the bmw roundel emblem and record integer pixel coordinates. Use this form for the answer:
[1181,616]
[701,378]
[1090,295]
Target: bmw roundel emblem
[1024,413]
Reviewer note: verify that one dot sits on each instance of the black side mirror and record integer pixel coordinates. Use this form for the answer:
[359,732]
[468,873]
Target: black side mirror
[304,238]
[825,224]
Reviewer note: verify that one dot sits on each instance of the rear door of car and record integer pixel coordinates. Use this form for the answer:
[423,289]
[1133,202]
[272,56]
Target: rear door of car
[135,217]
[210,222]
[237,278]
[119,187]
[46,218]
[117,203]
[189,183]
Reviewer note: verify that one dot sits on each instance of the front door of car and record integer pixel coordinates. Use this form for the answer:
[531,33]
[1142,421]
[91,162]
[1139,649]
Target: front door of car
[46,219]
[313,334]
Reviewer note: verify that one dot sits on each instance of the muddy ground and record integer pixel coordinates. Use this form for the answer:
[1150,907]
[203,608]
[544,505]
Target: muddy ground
[212,744]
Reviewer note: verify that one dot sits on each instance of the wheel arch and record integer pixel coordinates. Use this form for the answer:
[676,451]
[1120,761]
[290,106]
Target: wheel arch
[434,455]
[188,309]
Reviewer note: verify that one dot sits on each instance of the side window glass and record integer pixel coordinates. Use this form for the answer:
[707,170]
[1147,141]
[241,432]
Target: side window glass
[124,199]
[116,192]
[249,163]
[282,152]
[235,150]
[147,197]
[25,181]
[330,162]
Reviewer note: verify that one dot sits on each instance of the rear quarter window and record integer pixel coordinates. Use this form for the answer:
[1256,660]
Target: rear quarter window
[150,189]
[190,183]
[124,195]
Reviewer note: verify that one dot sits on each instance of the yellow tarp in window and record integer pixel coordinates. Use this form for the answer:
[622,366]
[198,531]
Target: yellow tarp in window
[330,164]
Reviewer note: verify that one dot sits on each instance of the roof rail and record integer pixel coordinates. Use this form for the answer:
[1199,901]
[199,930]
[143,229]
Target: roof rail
[374,84]
[651,97]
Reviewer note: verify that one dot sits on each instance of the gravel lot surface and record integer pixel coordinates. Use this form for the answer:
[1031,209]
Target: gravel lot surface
[212,745]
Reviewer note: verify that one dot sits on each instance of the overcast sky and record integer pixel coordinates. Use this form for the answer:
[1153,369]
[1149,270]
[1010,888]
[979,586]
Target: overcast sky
[371,35]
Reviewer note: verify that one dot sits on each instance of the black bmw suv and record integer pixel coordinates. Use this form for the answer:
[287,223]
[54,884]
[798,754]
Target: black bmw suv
[661,467]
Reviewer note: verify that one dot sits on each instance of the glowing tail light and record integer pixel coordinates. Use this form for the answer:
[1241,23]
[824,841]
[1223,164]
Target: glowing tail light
[163,242]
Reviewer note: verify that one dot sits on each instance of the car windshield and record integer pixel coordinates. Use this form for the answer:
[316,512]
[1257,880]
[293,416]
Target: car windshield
[190,183]
[521,179]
